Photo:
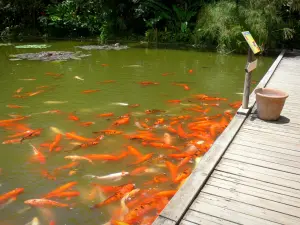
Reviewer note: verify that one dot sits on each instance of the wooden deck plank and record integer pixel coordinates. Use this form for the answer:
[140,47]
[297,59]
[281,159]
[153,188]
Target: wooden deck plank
[201,218]
[256,192]
[264,130]
[291,171]
[263,154]
[259,173]
[257,184]
[241,207]
[228,214]
[164,221]
[249,143]
[251,200]
[185,222]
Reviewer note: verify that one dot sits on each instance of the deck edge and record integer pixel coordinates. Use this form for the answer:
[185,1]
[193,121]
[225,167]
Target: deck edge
[180,203]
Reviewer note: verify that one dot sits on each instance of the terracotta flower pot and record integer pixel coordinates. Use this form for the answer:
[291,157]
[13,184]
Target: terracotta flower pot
[270,103]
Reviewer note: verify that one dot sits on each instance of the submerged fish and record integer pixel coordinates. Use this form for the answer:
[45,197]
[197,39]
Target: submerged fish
[55,102]
[42,202]
[78,78]
[113,176]
[120,103]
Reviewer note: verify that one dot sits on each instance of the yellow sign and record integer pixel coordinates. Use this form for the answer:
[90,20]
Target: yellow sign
[251,42]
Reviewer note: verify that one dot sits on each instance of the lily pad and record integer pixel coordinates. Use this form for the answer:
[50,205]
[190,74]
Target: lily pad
[33,46]
[50,56]
[116,47]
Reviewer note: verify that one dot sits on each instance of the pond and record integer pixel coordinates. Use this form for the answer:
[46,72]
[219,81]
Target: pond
[41,100]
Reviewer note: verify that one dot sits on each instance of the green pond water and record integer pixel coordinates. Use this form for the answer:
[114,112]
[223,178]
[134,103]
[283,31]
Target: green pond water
[213,75]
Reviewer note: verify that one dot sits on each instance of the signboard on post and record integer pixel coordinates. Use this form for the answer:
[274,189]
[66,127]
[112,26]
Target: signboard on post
[251,42]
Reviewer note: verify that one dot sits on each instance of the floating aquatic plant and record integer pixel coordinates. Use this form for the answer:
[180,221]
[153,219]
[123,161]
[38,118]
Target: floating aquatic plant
[50,56]
[33,46]
[104,47]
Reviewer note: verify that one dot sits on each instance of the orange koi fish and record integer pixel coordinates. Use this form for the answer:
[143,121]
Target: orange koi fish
[166,74]
[175,101]
[77,157]
[32,134]
[87,144]
[74,136]
[11,194]
[168,194]
[21,134]
[121,121]
[106,114]
[167,139]
[18,91]
[181,133]
[37,155]
[55,142]
[212,104]
[182,176]
[34,93]
[160,145]
[136,214]
[66,194]
[120,194]
[53,74]
[151,111]
[61,189]
[14,106]
[107,189]
[159,121]
[45,203]
[143,159]
[184,161]
[13,120]
[134,151]
[133,105]
[89,91]
[190,71]
[236,104]
[104,65]
[12,141]
[173,170]
[146,83]
[47,175]
[113,176]
[106,156]
[68,166]
[162,178]
[109,132]
[138,170]
[73,117]
[86,124]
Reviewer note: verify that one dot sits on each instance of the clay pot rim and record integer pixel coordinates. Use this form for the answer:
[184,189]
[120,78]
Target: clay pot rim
[281,96]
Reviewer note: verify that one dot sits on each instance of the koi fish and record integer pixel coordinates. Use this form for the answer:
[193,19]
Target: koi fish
[166,74]
[34,221]
[28,79]
[113,176]
[167,139]
[68,166]
[175,101]
[55,142]
[121,121]
[37,155]
[12,141]
[119,195]
[61,189]
[236,104]
[78,78]
[109,132]
[106,114]
[143,159]
[56,130]
[134,151]
[74,136]
[138,171]
[87,144]
[86,124]
[173,170]
[104,157]
[66,194]
[77,157]
[182,176]
[30,94]
[10,194]
[47,175]
[184,161]
[18,91]
[181,133]
[55,102]
[151,111]
[146,83]
[53,74]
[89,91]
[73,117]
[124,208]
[190,71]
[160,145]
[159,121]
[15,106]
[104,65]
[13,120]
[168,194]
[45,203]
[134,105]
[161,178]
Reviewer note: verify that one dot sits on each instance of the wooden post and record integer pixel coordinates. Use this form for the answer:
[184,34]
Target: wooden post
[247,83]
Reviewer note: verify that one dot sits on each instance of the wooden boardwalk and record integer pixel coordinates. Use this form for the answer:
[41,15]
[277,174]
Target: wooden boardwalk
[251,175]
